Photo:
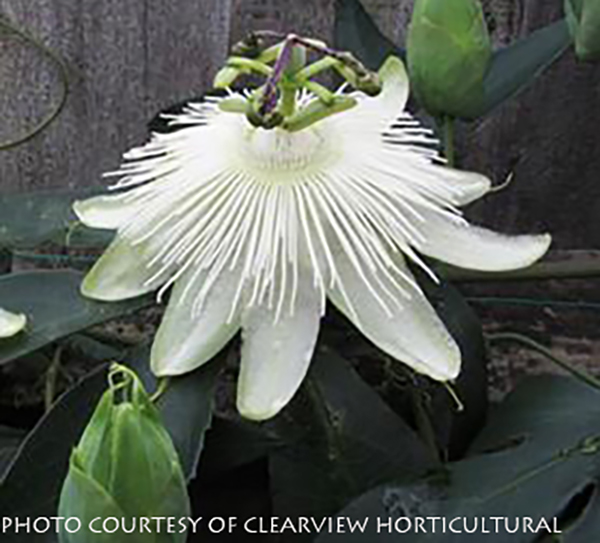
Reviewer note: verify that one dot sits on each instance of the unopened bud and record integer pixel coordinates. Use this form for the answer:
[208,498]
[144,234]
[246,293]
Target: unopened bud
[125,466]
[583,18]
[449,52]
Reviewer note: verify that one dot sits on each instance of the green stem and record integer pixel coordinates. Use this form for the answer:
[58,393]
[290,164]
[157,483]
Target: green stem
[542,270]
[163,386]
[449,151]
[532,344]
[316,68]
[51,379]
[63,75]
[251,65]
[287,105]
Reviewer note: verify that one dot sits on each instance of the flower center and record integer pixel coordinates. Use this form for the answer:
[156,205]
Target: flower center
[279,153]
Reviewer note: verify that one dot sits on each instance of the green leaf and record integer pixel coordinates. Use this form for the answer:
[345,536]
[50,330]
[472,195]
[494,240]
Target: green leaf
[186,407]
[32,484]
[352,441]
[534,458]
[10,439]
[456,429]
[515,67]
[356,32]
[54,309]
[231,444]
[32,218]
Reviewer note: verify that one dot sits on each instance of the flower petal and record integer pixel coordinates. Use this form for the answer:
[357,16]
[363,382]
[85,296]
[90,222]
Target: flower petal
[108,212]
[466,187]
[374,114]
[276,353]
[407,329]
[451,239]
[11,323]
[185,341]
[395,86]
[126,270]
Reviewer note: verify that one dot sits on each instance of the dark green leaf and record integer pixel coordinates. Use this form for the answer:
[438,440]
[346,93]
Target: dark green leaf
[10,439]
[32,484]
[455,430]
[186,407]
[540,450]
[32,218]
[516,66]
[353,441]
[54,309]
[355,31]
[234,443]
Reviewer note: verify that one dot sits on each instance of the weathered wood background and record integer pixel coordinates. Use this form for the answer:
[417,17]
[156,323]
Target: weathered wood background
[126,60]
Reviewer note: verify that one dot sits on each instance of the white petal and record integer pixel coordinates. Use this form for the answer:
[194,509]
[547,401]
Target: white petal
[185,340]
[453,240]
[466,186]
[406,329]
[395,86]
[125,270]
[373,114]
[108,212]
[276,354]
[11,323]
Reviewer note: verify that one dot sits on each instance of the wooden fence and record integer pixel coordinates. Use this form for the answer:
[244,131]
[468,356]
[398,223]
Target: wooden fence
[127,59]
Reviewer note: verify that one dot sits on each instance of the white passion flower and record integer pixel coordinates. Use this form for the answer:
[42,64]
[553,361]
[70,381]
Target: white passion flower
[256,228]
[11,323]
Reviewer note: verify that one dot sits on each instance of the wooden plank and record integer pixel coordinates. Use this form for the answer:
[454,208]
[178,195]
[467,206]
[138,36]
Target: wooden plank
[313,18]
[125,59]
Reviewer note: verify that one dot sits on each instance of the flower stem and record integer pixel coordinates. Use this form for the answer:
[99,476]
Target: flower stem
[449,151]
[571,269]
[532,344]
[51,379]
[288,100]
[163,386]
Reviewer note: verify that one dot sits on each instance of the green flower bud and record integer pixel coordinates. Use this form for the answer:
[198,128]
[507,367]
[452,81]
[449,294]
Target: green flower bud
[583,17]
[449,52]
[125,466]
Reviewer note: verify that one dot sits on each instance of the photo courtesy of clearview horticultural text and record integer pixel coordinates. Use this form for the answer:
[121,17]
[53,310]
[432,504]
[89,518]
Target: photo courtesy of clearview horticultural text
[277,271]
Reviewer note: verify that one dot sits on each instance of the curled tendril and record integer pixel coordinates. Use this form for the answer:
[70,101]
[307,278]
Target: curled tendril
[64,79]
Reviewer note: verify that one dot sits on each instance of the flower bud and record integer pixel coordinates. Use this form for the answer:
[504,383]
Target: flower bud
[449,52]
[125,466]
[583,17]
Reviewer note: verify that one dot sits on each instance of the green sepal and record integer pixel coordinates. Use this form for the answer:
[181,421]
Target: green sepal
[85,499]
